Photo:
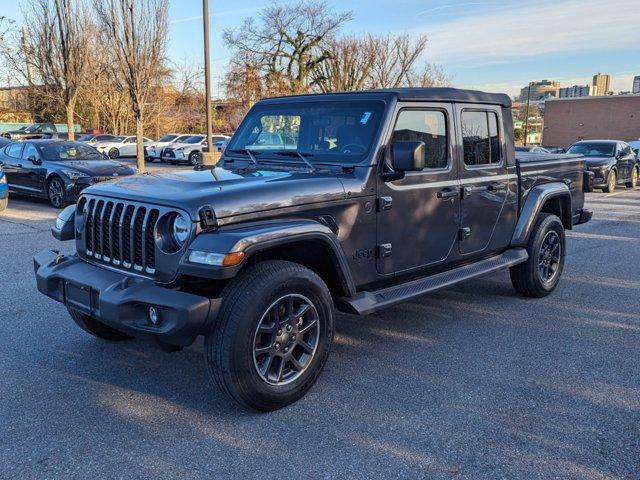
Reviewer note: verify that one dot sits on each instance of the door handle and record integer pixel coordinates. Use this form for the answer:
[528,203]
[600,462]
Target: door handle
[496,186]
[447,194]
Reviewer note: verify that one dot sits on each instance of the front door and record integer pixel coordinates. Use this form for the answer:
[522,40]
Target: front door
[484,179]
[417,220]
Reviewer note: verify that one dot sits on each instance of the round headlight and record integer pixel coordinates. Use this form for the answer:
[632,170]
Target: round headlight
[180,229]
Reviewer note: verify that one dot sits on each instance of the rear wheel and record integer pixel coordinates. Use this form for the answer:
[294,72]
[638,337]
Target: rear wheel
[96,328]
[633,181]
[114,153]
[56,192]
[272,336]
[540,274]
[612,180]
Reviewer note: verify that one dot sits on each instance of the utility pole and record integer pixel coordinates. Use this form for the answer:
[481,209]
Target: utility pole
[208,156]
[526,117]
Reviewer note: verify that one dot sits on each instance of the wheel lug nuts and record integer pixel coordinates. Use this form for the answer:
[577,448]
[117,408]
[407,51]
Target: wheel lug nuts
[286,349]
[279,332]
[293,337]
[277,345]
[289,328]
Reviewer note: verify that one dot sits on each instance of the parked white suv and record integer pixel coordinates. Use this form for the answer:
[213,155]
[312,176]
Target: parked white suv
[153,151]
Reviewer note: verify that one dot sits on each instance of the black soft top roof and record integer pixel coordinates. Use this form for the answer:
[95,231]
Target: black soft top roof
[434,94]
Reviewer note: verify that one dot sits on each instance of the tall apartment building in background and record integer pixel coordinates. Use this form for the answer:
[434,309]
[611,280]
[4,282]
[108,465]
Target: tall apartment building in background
[540,89]
[636,84]
[578,91]
[602,83]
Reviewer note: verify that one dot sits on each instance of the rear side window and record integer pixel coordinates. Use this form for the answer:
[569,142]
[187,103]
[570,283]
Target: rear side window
[480,138]
[428,126]
[29,151]
[14,150]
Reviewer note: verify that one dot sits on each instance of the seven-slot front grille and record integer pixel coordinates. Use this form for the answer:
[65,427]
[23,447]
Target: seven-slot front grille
[120,233]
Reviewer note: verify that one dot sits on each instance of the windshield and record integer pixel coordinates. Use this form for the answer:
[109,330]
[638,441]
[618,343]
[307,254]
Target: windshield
[194,139]
[168,138]
[32,128]
[336,131]
[69,151]
[116,140]
[86,137]
[593,149]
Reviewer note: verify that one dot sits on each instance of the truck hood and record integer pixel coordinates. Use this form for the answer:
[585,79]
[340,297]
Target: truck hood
[97,168]
[229,193]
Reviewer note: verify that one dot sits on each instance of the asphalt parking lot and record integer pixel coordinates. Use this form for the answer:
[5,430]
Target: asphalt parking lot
[473,382]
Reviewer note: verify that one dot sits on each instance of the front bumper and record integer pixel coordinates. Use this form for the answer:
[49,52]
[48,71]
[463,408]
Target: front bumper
[601,175]
[122,301]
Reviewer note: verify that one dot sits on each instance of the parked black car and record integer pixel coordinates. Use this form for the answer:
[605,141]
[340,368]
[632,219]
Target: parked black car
[37,130]
[356,201]
[57,170]
[613,162]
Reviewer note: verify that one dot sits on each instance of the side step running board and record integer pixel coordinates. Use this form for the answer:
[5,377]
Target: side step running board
[367,302]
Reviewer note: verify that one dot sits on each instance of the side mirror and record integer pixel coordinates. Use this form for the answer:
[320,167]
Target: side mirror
[407,156]
[35,160]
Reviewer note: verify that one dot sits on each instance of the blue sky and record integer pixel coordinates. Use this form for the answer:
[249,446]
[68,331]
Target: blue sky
[490,45]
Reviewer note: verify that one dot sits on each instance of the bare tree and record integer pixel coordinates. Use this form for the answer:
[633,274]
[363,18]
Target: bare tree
[288,42]
[348,66]
[396,57]
[51,51]
[136,31]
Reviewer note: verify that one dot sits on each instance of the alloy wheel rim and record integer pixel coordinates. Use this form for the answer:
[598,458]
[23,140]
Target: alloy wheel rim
[612,180]
[286,339]
[634,177]
[549,258]
[55,192]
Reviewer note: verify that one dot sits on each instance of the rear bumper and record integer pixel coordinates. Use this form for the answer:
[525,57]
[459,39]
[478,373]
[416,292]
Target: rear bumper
[122,301]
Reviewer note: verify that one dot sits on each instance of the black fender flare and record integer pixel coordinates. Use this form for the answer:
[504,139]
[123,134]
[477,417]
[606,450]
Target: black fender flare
[257,237]
[532,207]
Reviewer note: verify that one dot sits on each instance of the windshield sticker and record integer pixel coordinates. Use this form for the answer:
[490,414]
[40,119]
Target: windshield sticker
[365,118]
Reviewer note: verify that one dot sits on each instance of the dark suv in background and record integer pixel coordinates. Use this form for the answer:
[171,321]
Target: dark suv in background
[613,163]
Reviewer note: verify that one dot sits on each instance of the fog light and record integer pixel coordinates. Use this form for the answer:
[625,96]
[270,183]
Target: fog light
[154,315]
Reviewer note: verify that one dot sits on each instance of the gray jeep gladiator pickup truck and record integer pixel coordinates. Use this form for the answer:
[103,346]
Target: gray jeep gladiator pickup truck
[349,201]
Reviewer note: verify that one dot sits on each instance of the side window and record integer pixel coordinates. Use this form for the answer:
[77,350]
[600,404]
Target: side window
[480,138]
[14,150]
[130,140]
[29,151]
[428,126]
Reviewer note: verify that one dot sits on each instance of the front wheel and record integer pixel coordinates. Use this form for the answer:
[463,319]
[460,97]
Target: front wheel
[612,180]
[272,336]
[194,158]
[114,153]
[55,192]
[633,181]
[97,329]
[540,274]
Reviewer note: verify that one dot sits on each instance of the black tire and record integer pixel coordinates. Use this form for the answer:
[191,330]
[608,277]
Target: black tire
[194,158]
[231,345]
[114,153]
[612,181]
[56,192]
[633,181]
[527,278]
[96,328]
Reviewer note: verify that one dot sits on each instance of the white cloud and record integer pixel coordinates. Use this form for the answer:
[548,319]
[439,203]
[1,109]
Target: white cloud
[536,29]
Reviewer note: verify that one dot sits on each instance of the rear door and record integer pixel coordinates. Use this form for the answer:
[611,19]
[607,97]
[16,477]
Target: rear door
[12,165]
[417,220]
[484,179]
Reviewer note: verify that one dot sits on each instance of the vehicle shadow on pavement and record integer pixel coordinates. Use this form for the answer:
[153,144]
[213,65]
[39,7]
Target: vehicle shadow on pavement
[416,387]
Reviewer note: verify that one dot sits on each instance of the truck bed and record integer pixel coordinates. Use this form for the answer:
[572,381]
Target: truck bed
[537,169]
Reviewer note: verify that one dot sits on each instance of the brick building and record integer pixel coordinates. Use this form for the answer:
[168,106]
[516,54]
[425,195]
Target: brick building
[568,120]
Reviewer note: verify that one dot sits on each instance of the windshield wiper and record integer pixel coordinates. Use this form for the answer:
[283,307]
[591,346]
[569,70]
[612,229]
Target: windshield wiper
[296,153]
[247,152]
